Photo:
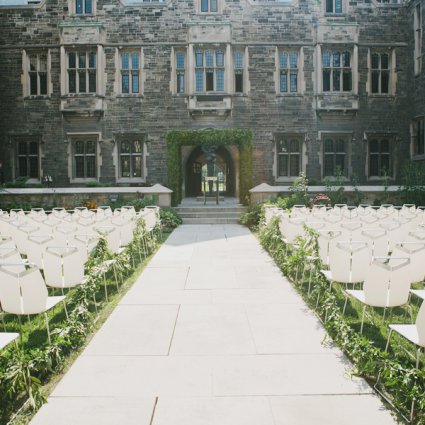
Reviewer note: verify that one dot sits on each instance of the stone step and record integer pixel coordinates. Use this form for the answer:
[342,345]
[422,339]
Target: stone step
[209,209]
[194,214]
[216,220]
[209,199]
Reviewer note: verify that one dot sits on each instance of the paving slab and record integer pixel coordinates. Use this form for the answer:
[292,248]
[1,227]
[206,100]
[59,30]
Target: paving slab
[255,296]
[214,411]
[212,330]
[136,330]
[223,276]
[211,333]
[160,278]
[282,328]
[95,411]
[329,410]
[167,296]
[137,376]
[290,374]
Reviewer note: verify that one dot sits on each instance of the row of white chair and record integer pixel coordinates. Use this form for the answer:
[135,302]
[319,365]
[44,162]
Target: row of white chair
[23,290]
[364,257]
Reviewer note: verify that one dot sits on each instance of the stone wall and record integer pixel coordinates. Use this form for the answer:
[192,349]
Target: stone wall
[157,28]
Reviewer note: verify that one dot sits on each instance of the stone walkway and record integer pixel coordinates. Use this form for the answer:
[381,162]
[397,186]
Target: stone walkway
[211,334]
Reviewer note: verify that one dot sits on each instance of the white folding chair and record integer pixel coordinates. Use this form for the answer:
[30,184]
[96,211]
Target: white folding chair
[415,333]
[386,285]
[24,293]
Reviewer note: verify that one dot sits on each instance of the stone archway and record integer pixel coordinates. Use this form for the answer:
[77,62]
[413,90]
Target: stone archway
[179,141]
[195,167]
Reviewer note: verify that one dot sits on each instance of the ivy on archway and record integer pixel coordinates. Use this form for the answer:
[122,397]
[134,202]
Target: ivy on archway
[209,137]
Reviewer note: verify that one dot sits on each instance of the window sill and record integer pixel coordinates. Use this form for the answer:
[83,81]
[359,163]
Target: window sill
[382,95]
[335,15]
[71,95]
[37,97]
[81,180]
[285,179]
[289,94]
[131,95]
[379,179]
[131,180]
[418,157]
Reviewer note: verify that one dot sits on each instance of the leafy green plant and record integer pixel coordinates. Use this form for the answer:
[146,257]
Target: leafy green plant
[412,190]
[300,189]
[169,218]
[252,216]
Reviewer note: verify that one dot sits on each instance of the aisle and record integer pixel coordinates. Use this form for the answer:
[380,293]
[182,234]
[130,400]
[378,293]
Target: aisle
[211,334]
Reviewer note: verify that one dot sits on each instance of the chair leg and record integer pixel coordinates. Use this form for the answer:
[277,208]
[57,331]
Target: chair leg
[3,321]
[345,304]
[388,340]
[383,316]
[47,327]
[418,353]
[94,301]
[106,286]
[115,274]
[363,313]
[64,305]
[309,282]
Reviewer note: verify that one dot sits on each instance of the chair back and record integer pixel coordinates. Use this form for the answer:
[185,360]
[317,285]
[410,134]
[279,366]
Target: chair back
[378,240]
[327,238]
[34,291]
[22,292]
[416,252]
[399,287]
[11,256]
[64,267]
[64,233]
[36,248]
[376,284]
[10,291]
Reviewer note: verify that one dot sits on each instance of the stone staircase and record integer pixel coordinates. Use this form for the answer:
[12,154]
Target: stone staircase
[195,212]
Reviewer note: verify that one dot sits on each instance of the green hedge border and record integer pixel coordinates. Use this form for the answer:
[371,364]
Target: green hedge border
[209,137]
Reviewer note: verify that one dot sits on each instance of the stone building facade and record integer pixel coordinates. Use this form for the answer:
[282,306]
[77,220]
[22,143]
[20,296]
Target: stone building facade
[90,88]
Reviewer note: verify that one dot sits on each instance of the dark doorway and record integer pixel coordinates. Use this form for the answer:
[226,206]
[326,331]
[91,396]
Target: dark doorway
[197,166]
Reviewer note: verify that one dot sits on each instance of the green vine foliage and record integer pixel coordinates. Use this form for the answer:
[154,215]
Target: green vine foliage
[396,377]
[209,137]
[24,369]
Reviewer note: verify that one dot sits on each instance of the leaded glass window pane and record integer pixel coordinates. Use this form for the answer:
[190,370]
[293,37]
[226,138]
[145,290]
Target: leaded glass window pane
[125,60]
[125,83]
[135,82]
[199,80]
[238,58]
[326,59]
[293,58]
[283,60]
[209,58]
[220,58]
[199,58]
[180,60]
[294,81]
[284,81]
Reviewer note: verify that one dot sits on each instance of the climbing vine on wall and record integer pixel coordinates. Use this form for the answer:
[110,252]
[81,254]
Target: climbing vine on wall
[209,137]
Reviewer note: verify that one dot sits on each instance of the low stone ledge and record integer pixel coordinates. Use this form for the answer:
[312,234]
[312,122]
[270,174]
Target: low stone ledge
[265,191]
[67,195]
